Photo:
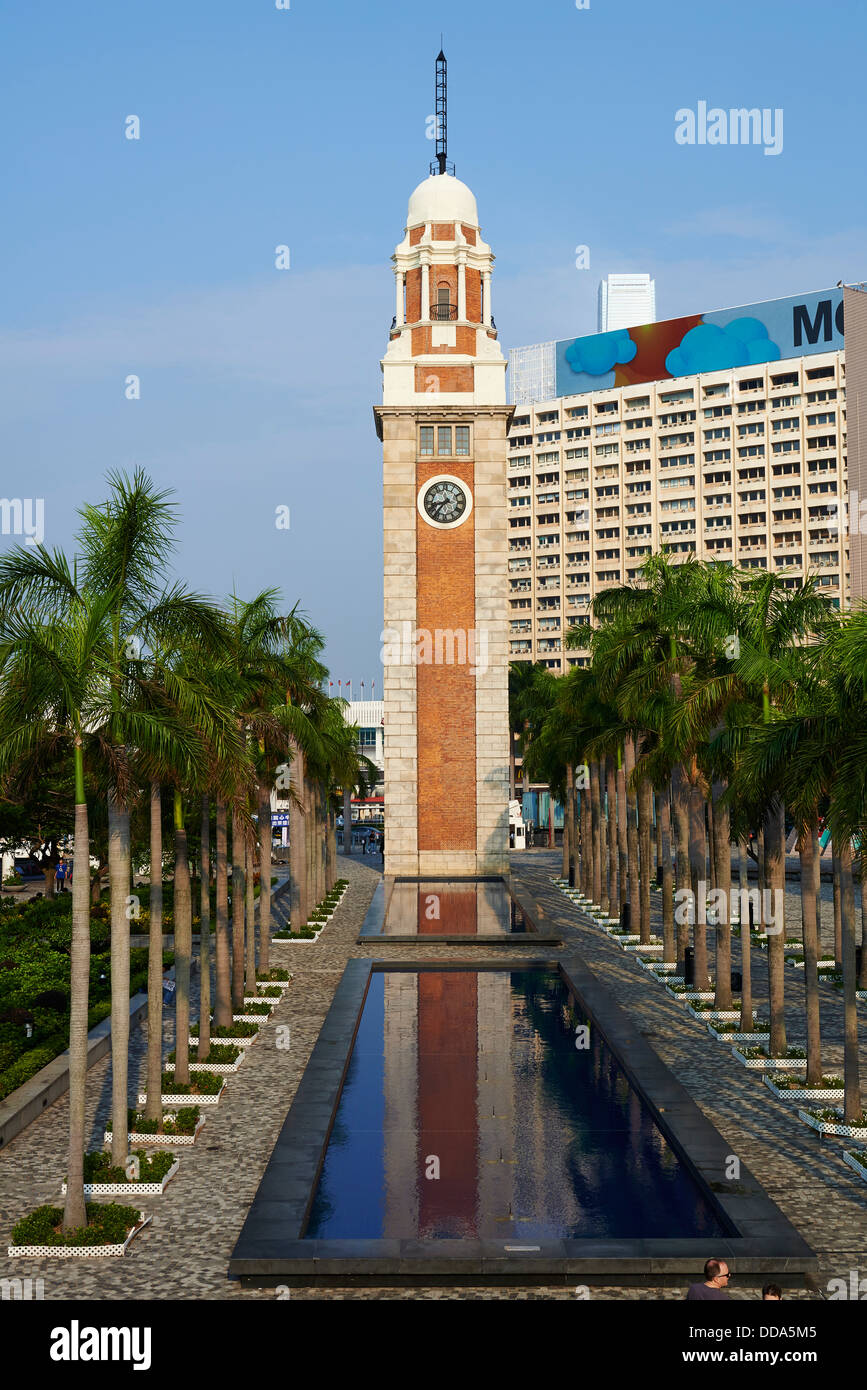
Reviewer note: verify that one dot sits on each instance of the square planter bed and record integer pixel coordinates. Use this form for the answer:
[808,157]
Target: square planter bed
[765,1063]
[222,1060]
[651,948]
[857,1159]
[282,985]
[182,1128]
[758,1039]
[251,1018]
[277,976]
[685,996]
[715,1015]
[263,999]
[621,937]
[825,1122]
[295,938]
[38,1235]
[239,1034]
[215,1086]
[664,970]
[822,964]
[801,1092]
[101,1180]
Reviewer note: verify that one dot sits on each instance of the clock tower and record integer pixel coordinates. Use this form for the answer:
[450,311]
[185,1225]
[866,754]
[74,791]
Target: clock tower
[443,423]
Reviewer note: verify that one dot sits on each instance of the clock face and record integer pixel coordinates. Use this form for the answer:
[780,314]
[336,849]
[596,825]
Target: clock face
[444,501]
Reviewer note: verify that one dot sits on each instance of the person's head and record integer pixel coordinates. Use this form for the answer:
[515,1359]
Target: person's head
[772,1291]
[716,1272]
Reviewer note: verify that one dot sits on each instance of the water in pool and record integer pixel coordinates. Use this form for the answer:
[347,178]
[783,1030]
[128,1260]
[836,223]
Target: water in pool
[468,1112]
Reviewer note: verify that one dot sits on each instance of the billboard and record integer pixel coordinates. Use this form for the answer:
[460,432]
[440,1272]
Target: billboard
[717,341]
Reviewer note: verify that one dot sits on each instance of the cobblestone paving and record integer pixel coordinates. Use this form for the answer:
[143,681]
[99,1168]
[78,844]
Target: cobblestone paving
[184,1253]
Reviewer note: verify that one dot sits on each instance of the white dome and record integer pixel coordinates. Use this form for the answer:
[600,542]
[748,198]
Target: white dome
[442,198]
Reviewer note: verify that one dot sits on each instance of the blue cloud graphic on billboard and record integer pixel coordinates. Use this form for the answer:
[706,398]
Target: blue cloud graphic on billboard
[601,352]
[710,348]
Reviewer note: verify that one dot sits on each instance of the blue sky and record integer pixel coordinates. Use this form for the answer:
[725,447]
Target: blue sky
[306,127]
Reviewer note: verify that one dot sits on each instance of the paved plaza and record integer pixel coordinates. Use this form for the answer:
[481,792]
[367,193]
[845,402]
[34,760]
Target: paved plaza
[184,1252]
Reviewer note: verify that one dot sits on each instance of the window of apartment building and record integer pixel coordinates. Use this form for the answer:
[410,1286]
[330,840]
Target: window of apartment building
[751,407]
[607,407]
[713,479]
[517,523]
[548,603]
[822,441]
[676,397]
[668,527]
[583,433]
[790,422]
[786,446]
[752,451]
[677,417]
[606,450]
[719,388]
[754,383]
[545,479]
[547,497]
[643,422]
[553,457]
[549,437]
[756,495]
[686,481]
[717,412]
[518,420]
[717,456]
[577,454]
[670,441]
[613,427]
[520,441]
[678,461]
[637,403]
[638,446]
[576,494]
[718,523]
[786,402]
[522,462]
[819,373]
[757,427]
[549,417]
[757,564]
[721,432]
[520,501]
[549,624]
[785,379]
[793,490]
[678,504]
[577,412]
[548,519]
[826,417]
[813,397]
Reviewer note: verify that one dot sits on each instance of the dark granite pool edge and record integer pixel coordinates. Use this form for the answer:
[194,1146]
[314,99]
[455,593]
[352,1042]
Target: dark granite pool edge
[271,1248]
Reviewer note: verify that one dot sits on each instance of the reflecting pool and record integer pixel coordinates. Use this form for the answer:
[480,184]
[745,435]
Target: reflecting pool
[468,1111]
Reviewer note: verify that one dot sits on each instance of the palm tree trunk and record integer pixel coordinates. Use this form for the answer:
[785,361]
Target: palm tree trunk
[632,896]
[79,987]
[297,844]
[347,820]
[722,858]
[746,1023]
[250,905]
[698,879]
[331,849]
[183,945]
[264,878]
[222,968]
[239,856]
[511,765]
[205,936]
[669,947]
[574,834]
[645,815]
[862,973]
[595,817]
[656,811]
[810,870]
[119,888]
[567,848]
[686,913]
[622,838]
[153,1106]
[586,851]
[611,793]
[838,915]
[851,1072]
[775,873]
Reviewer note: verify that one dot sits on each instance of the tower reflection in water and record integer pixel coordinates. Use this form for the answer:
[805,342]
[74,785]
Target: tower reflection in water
[468,1112]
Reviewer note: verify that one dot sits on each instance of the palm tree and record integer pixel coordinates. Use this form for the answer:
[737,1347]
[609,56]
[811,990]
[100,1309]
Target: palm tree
[54,675]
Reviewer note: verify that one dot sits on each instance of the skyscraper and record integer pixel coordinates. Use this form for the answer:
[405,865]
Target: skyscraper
[626,300]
